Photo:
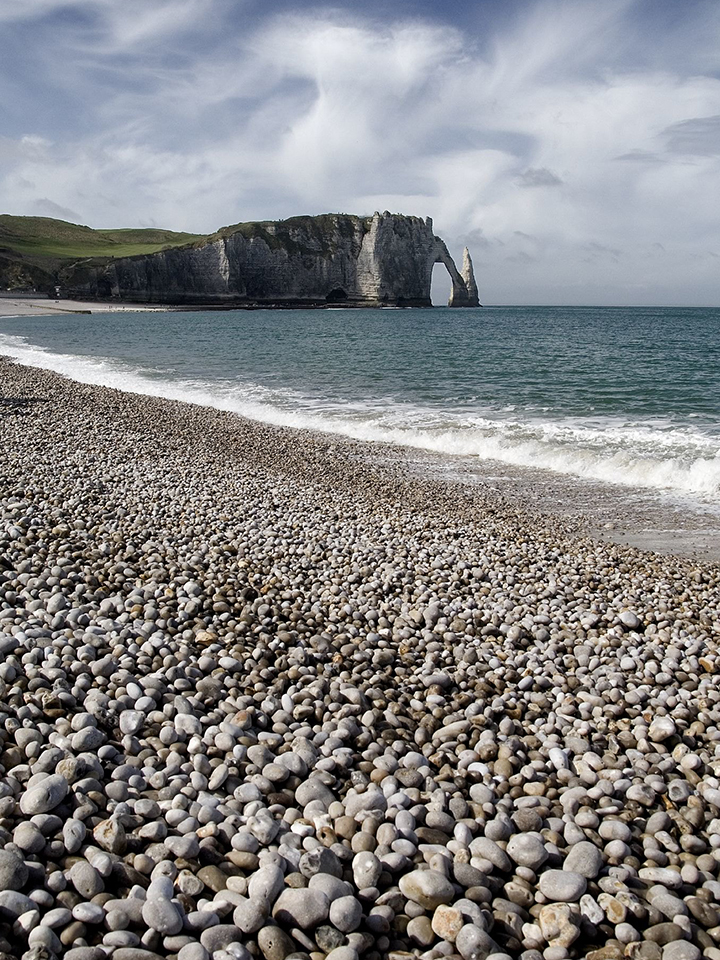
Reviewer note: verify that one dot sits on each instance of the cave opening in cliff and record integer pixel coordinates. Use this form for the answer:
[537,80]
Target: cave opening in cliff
[338,295]
[440,285]
[104,288]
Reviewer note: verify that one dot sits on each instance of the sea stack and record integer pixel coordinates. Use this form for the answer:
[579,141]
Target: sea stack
[464,290]
[468,275]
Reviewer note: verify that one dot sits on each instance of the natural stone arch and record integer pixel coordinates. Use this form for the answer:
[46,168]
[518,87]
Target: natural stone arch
[464,289]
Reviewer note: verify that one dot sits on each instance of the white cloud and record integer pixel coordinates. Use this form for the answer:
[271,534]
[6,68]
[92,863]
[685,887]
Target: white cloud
[186,114]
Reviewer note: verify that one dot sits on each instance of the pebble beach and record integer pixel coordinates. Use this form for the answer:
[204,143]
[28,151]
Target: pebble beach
[268,694]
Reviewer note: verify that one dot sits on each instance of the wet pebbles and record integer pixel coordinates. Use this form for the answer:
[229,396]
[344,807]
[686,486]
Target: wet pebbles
[264,697]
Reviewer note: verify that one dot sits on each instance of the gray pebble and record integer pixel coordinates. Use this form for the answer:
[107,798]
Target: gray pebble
[346,913]
[162,915]
[681,950]
[44,796]
[301,907]
[219,936]
[562,886]
[585,859]
[473,943]
[86,880]
[527,850]
[13,872]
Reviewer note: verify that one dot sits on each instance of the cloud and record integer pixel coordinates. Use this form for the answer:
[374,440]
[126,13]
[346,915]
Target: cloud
[639,156]
[596,252]
[560,128]
[698,136]
[521,257]
[538,177]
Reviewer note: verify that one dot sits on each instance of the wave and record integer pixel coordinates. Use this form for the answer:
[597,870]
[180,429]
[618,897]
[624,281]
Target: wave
[660,456]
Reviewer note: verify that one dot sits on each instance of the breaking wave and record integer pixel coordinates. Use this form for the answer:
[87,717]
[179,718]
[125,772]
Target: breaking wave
[660,455]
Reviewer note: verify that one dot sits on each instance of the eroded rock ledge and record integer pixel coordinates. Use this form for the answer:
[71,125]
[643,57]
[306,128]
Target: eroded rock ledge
[386,259]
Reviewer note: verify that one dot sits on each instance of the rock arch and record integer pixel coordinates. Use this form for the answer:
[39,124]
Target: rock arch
[464,291]
[386,259]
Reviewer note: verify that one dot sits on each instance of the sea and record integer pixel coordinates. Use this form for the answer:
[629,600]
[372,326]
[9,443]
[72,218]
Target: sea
[611,409]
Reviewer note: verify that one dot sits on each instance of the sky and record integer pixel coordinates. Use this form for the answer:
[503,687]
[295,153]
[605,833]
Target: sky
[572,145]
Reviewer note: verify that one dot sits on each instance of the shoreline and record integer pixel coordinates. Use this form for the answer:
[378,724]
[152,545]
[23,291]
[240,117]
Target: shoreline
[628,517]
[263,692]
[39,306]
[645,518]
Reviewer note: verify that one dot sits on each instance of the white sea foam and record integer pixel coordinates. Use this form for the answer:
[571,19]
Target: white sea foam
[662,456]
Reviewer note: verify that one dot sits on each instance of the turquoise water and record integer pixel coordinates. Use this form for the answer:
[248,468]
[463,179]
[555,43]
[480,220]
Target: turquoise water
[629,396]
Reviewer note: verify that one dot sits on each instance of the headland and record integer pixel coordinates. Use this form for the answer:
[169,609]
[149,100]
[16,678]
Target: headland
[383,260]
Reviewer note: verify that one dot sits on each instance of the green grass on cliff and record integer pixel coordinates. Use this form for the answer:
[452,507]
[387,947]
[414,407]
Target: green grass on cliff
[42,238]
[298,235]
[36,251]
[39,239]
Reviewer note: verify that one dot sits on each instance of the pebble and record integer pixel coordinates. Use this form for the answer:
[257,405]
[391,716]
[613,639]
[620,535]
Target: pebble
[447,922]
[429,888]
[527,850]
[86,879]
[257,699]
[345,913]
[193,951]
[274,943]
[681,950]
[134,953]
[249,915]
[585,859]
[162,915]
[301,907]
[44,796]
[559,924]
[343,953]
[562,885]
[661,728]
[473,943]
[13,871]
[366,869]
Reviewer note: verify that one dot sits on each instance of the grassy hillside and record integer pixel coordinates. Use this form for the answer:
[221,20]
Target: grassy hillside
[42,237]
[33,250]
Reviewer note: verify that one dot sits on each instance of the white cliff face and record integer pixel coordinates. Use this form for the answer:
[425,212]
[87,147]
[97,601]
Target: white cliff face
[385,259]
[468,275]
[223,262]
[396,260]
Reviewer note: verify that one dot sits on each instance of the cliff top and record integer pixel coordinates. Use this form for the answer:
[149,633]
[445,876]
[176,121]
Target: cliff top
[38,239]
[45,238]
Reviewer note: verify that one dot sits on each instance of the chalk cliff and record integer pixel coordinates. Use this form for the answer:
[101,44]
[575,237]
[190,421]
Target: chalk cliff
[386,259]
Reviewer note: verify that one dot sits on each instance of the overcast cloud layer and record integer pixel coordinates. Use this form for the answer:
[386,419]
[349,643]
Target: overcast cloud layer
[574,146]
